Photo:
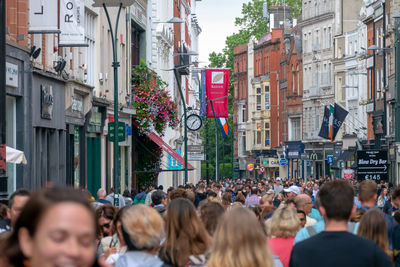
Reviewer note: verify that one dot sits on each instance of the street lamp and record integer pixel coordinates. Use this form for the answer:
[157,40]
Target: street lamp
[115,64]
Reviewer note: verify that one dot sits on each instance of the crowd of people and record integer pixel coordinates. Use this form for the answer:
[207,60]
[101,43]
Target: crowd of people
[243,222]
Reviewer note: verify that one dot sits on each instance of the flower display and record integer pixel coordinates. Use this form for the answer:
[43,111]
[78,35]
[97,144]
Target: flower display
[155,109]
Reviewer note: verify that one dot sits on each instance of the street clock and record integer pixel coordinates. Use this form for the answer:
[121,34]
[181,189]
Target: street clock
[194,122]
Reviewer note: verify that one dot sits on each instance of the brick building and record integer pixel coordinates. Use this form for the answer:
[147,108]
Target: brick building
[240,103]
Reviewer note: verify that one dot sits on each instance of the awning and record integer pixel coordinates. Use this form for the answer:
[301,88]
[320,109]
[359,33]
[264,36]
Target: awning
[15,156]
[164,146]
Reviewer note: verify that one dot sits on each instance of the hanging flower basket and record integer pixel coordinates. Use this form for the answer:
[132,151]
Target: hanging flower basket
[154,108]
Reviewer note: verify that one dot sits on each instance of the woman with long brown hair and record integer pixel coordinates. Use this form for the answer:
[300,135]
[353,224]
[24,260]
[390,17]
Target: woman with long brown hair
[187,240]
[239,241]
[373,227]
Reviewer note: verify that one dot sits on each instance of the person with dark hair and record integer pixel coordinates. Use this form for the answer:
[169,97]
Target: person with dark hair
[105,216]
[178,193]
[159,199]
[161,187]
[368,194]
[253,199]
[336,246]
[3,211]
[16,203]
[141,197]
[210,213]
[187,240]
[127,198]
[302,217]
[200,194]
[56,227]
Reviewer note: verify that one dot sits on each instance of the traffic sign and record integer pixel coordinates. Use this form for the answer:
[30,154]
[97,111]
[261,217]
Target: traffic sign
[330,159]
[262,169]
[121,131]
[282,161]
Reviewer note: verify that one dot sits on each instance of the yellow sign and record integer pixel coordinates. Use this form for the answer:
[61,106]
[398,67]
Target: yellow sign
[250,167]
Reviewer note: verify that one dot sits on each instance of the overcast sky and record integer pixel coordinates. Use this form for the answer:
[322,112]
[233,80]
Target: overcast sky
[217,21]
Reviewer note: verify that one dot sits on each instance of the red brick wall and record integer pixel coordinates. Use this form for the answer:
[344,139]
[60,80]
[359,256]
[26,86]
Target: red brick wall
[17,20]
[267,62]
[370,41]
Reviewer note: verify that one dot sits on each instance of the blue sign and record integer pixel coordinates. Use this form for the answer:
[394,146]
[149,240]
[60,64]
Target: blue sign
[308,163]
[330,159]
[294,149]
[173,164]
[283,162]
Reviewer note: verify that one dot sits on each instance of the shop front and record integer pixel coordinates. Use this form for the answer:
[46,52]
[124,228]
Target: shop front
[96,150]
[78,104]
[18,127]
[49,131]
[271,166]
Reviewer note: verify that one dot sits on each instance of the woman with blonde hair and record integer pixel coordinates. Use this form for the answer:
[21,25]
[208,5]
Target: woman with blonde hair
[284,226]
[187,239]
[373,227]
[240,241]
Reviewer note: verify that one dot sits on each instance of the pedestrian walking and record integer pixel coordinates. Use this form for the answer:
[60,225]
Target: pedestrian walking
[240,241]
[335,246]
[143,230]
[187,240]
[284,226]
[57,227]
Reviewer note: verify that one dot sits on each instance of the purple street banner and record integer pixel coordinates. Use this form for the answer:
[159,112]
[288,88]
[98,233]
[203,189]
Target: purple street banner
[203,103]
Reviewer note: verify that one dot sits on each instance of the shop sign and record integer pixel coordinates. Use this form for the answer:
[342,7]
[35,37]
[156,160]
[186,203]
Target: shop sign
[173,164]
[250,167]
[195,149]
[11,74]
[196,156]
[372,165]
[46,101]
[271,162]
[121,131]
[348,174]
[77,104]
[369,107]
[370,62]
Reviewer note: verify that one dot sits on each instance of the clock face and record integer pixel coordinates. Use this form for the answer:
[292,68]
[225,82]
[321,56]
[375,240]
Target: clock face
[194,122]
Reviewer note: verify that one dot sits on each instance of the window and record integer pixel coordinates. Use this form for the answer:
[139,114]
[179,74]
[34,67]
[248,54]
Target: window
[350,52]
[329,37]
[267,138]
[244,114]
[89,75]
[316,125]
[266,125]
[295,129]
[267,105]
[305,43]
[258,137]
[258,98]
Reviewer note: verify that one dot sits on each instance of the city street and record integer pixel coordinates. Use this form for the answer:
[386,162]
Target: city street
[182,133]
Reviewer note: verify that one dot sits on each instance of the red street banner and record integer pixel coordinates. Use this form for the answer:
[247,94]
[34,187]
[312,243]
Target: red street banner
[217,89]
